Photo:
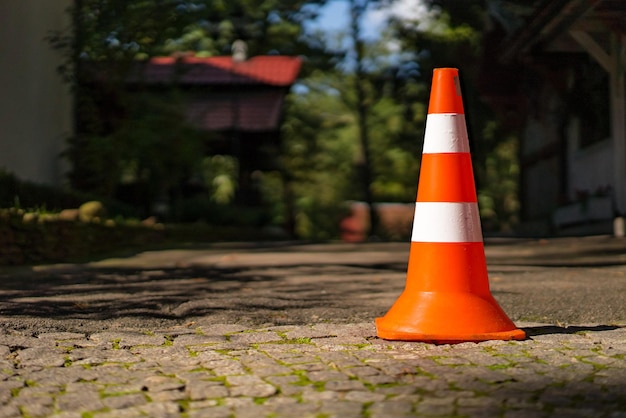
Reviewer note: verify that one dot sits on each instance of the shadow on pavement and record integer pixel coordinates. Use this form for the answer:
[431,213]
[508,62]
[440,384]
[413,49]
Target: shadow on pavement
[553,329]
[252,296]
[592,251]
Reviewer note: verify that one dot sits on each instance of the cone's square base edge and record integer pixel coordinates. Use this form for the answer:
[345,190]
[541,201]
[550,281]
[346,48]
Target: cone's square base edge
[416,336]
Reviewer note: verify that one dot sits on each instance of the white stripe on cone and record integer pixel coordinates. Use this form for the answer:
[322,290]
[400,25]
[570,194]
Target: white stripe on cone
[446,222]
[445,133]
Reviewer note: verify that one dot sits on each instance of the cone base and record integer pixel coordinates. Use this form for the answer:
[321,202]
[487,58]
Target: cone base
[446,318]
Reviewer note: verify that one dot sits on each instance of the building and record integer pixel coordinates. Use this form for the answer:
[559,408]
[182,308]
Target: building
[35,104]
[237,102]
[239,99]
[554,69]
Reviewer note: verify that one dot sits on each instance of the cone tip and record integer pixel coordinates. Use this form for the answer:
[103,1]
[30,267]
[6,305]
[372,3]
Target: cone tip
[445,96]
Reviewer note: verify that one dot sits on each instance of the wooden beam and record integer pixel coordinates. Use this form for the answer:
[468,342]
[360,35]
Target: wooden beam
[618,125]
[593,48]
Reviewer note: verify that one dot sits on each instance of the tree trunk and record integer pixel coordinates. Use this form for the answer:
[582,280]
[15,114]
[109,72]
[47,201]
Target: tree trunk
[362,109]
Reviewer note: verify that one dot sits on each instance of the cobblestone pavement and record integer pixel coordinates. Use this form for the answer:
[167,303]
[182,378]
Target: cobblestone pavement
[289,332]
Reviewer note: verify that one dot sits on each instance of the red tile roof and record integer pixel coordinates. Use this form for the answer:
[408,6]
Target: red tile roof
[276,70]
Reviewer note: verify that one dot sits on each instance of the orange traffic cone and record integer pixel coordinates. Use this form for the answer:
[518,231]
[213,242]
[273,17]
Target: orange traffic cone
[447,297]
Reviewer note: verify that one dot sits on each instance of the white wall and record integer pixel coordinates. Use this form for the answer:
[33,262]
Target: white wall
[590,168]
[35,106]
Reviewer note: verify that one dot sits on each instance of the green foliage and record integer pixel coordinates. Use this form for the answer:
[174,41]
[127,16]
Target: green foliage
[36,239]
[453,38]
[322,150]
[498,198]
[152,148]
[21,194]
[156,144]
[219,172]
[137,144]
[318,154]
[122,31]
[95,164]
[141,140]
[24,194]
[396,168]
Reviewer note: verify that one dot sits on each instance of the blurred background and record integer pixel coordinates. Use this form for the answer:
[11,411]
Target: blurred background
[306,118]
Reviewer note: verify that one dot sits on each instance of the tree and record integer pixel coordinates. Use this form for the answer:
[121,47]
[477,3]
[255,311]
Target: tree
[374,82]
[362,104]
[450,35]
[124,134]
[354,127]
[318,155]
[381,113]
[123,31]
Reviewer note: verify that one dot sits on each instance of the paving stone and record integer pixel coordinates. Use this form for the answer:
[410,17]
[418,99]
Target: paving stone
[124,401]
[207,403]
[395,391]
[82,357]
[390,408]
[525,413]
[9,385]
[248,385]
[198,390]
[269,370]
[435,409]
[42,394]
[82,402]
[394,381]
[202,367]
[61,336]
[41,356]
[238,402]
[326,375]
[341,409]
[205,354]
[363,396]
[488,411]
[361,371]
[252,411]
[224,367]
[316,331]
[18,340]
[120,356]
[198,340]
[9,411]
[220,329]
[36,409]
[288,357]
[344,385]
[286,384]
[285,347]
[168,395]
[162,383]
[275,401]
[160,409]
[254,337]
[304,410]
[132,412]
[380,379]
[213,412]
[60,376]
[310,395]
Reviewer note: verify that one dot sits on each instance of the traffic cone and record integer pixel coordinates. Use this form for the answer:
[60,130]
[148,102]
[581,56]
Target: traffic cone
[446,298]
